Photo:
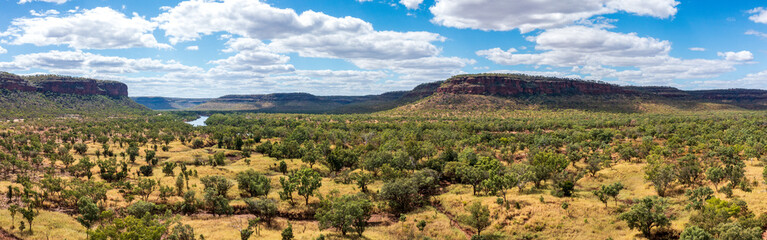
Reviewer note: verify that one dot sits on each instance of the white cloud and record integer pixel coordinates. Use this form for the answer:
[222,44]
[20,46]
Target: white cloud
[528,15]
[43,14]
[541,73]
[759,15]
[2,50]
[84,63]
[741,56]
[98,28]
[371,45]
[652,8]
[49,1]
[310,34]
[579,45]
[193,48]
[414,71]
[253,58]
[189,20]
[697,49]
[756,33]
[752,80]
[624,56]
[411,4]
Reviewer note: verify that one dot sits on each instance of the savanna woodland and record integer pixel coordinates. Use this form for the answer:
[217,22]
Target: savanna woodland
[417,171]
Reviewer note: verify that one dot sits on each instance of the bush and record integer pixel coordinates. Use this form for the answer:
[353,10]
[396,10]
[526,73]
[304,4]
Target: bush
[253,183]
[647,213]
[266,209]
[401,195]
[140,208]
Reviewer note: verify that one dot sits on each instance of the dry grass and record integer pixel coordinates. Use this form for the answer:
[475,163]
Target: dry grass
[586,218]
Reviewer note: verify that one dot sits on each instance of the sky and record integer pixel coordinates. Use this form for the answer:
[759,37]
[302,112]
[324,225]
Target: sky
[210,48]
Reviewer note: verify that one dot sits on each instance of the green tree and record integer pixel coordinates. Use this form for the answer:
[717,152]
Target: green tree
[479,217]
[689,170]
[695,233]
[472,175]
[190,204]
[288,187]
[29,213]
[130,227]
[715,175]
[145,187]
[180,185]
[89,212]
[140,208]
[283,167]
[661,174]
[182,232]
[150,157]
[287,233]
[253,183]
[264,209]
[545,164]
[345,213]
[401,195]
[698,197]
[735,231]
[218,184]
[307,181]
[218,204]
[647,213]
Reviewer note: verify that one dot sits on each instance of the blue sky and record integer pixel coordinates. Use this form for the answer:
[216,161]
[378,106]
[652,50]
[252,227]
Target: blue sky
[355,47]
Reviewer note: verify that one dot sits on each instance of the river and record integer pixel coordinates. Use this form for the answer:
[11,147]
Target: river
[198,122]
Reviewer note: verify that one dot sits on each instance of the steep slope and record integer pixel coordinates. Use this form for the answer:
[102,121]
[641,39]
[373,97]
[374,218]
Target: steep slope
[518,91]
[56,96]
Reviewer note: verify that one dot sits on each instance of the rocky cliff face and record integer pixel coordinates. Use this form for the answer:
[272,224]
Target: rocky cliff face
[513,85]
[61,84]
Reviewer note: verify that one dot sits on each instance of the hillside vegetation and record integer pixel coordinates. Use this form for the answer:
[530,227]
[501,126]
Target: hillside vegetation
[516,174]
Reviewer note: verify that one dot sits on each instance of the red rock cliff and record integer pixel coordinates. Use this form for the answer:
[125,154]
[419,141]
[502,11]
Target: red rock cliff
[512,84]
[61,84]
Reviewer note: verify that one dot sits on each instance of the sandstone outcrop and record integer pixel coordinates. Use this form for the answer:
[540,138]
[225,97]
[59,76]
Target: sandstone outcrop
[62,84]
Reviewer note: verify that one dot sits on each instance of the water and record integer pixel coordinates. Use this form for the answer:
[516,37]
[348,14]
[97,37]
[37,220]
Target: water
[199,122]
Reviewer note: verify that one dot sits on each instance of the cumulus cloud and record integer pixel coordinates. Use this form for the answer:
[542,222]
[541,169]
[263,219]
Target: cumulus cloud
[741,56]
[2,50]
[189,20]
[84,63]
[49,1]
[599,54]
[309,34]
[756,80]
[372,45]
[193,48]
[528,15]
[580,45]
[697,49]
[759,15]
[411,4]
[98,28]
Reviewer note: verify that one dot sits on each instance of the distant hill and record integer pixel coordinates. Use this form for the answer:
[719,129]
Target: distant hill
[304,103]
[57,96]
[165,103]
[519,91]
[500,91]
